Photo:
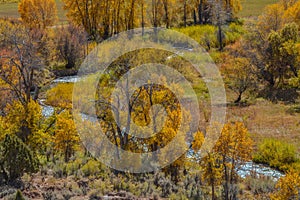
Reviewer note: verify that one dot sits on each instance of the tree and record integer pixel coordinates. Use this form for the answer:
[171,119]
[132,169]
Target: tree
[66,139]
[271,19]
[22,63]
[275,57]
[70,45]
[100,19]
[235,147]
[212,171]
[27,123]
[151,109]
[219,19]
[16,158]
[282,55]
[38,13]
[239,75]
[288,187]
[292,13]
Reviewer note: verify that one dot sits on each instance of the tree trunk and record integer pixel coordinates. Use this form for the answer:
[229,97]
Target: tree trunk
[200,12]
[220,37]
[185,13]
[143,20]
[226,187]
[239,98]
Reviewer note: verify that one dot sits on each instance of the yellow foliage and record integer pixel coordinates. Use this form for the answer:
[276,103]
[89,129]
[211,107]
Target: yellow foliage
[198,141]
[235,142]
[271,19]
[26,122]
[292,14]
[288,187]
[60,95]
[212,169]
[66,139]
[38,13]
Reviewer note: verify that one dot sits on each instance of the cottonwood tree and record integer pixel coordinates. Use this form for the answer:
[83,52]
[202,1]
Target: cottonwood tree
[234,147]
[239,75]
[70,45]
[212,171]
[160,123]
[22,62]
[281,55]
[20,66]
[65,138]
[102,19]
[274,54]
[271,19]
[211,166]
[38,13]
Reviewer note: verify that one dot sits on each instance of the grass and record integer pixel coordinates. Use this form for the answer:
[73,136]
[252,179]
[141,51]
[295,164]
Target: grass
[253,8]
[10,10]
[267,120]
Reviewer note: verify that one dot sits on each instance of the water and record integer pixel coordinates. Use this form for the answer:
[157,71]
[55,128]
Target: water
[250,168]
[67,79]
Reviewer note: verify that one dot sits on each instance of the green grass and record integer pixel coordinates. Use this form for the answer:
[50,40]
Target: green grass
[253,8]
[10,10]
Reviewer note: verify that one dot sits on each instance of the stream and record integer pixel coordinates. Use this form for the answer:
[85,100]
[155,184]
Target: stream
[247,169]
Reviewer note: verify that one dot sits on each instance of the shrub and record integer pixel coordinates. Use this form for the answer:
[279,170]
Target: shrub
[19,195]
[206,35]
[276,153]
[16,158]
[60,95]
[262,185]
[91,168]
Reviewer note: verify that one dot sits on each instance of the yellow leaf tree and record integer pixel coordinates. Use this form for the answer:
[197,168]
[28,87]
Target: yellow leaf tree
[66,139]
[26,121]
[212,171]
[235,147]
[38,13]
[288,187]
[271,19]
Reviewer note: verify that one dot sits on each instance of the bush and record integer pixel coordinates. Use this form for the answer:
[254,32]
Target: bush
[19,195]
[91,168]
[262,185]
[60,95]
[276,153]
[206,35]
[16,158]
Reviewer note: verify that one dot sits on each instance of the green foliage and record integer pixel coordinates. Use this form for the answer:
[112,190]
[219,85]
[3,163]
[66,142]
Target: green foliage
[206,35]
[19,196]
[91,168]
[16,158]
[276,153]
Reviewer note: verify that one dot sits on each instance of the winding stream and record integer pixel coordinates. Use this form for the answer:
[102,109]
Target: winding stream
[247,169]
